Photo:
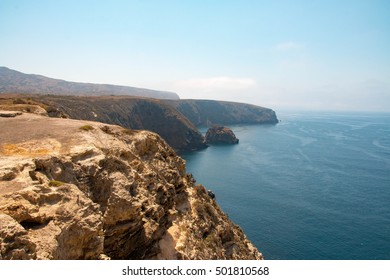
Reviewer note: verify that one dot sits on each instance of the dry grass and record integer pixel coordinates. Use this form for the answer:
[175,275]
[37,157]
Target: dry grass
[31,148]
[19,150]
[128,131]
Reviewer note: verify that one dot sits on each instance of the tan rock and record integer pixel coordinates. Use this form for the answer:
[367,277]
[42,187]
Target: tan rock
[15,243]
[83,190]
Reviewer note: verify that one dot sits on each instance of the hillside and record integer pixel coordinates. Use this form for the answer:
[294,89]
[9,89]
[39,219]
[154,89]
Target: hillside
[72,189]
[12,81]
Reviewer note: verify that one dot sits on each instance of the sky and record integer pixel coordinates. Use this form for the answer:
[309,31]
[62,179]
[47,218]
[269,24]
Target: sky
[299,55]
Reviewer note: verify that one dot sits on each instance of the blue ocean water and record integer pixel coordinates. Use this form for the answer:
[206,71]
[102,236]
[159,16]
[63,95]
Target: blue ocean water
[315,186]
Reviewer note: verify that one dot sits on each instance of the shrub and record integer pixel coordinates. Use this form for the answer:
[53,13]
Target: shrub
[200,189]
[19,101]
[54,183]
[128,131]
[199,207]
[86,127]
[211,239]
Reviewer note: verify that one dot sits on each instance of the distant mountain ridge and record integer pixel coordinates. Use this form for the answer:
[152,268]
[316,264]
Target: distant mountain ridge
[12,81]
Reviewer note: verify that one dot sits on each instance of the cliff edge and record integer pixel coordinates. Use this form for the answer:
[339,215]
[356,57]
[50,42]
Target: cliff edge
[72,189]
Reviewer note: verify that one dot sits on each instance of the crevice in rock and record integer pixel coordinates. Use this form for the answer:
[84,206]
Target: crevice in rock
[32,224]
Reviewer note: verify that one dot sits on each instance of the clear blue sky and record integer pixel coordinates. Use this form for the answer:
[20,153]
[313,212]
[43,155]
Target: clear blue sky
[332,55]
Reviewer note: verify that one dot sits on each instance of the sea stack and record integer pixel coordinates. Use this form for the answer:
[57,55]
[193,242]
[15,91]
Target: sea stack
[221,135]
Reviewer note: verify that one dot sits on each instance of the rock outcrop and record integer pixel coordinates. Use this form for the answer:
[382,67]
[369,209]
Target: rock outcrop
[72,189]
[221,135]
[9,114]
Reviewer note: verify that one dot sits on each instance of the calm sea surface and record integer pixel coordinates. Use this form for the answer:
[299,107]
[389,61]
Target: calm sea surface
[315,186]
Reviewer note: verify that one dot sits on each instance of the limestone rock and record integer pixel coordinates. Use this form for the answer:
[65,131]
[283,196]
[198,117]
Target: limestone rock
[73,189]
[14,241]
[220,135]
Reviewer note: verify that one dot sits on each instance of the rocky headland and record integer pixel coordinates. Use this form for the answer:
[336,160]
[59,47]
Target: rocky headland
[130,112]
[220,135]
[75,189]
[213,112]
[174,120]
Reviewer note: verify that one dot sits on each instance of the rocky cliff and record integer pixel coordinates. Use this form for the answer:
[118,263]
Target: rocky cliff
[212,112]
[72,189]
[130,112]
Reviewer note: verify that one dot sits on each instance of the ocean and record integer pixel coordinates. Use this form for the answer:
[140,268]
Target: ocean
[316,186]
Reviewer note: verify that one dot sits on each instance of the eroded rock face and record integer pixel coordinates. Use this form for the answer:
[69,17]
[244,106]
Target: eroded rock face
[83,190]
[220,135]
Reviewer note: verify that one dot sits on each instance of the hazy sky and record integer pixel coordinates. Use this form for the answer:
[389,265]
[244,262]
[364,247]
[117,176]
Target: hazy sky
[332,55]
